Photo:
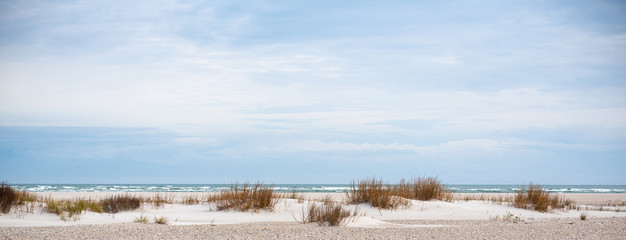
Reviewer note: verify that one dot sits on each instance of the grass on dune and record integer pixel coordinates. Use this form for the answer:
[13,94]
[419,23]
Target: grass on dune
[118,203]
[374,192]
[72,209]
[535,197]
[387,196]
[246,197]
[7,196]
[10,197]
[327,213]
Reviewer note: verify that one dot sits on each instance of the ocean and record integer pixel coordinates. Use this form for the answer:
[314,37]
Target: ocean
[311,188]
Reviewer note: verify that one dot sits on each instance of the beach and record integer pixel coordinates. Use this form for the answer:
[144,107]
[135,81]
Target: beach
[435,219]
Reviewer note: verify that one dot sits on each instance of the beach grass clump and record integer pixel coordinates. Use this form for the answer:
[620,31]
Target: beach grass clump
[387,196]
[160,220]
[118,203]
[327,213]
[8,196]
[141,219]
[422,188]
[535,197]
[374,192]
[246,197]
[23,197]
[71,209]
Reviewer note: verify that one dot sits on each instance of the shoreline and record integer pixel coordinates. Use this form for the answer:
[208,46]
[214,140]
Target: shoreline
[579,198]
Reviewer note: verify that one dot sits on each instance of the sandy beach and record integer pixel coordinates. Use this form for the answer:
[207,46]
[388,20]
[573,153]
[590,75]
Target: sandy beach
[422,219]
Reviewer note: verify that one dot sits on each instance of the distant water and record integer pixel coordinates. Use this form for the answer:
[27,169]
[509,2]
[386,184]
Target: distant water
[312,188]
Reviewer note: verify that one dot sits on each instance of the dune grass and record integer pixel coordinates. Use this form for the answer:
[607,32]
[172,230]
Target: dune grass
[246,197]
[160,220]
[72,209]
[535,197]
[141,219]
[8,195]
[118,203]
[374,192]
[387,196]
[159,200]
[327,213]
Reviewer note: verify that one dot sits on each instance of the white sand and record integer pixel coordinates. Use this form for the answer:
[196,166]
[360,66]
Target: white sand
[289,210]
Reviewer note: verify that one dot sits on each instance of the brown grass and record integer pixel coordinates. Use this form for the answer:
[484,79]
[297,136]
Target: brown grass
[387,196]
[8,195]
[118,203]
[537,198]
[376,193]
[191,200]
[246,197]
[327,213]
[159,200]
[422,188]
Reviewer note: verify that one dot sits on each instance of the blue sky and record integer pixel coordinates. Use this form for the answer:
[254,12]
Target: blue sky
[312,91]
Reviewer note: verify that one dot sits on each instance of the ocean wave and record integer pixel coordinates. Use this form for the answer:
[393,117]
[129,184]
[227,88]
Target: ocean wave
[315,188]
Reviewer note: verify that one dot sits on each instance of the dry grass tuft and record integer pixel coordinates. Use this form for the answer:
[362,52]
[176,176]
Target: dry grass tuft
[117,203]
[376,193]
[8,195]
[327,213]
[387,196]
[141,219]
[160,220]
[246,197]
[537,198]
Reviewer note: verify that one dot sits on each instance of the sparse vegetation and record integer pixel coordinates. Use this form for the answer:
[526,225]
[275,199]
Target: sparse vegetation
[295,195]
[327,213]
[160,220]
[537,198]
[191,200]
[117,203]
[8,195]
[159,200]
[583,216]
[141,219]
[246,197]
[508,217]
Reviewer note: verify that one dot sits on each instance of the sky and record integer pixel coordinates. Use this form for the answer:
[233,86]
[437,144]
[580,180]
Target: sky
[473,92]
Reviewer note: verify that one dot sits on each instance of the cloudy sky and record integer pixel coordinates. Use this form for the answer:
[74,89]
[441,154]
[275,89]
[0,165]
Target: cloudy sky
[312,91]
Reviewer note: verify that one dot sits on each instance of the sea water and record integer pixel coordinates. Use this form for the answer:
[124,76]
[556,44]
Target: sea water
[311,188]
